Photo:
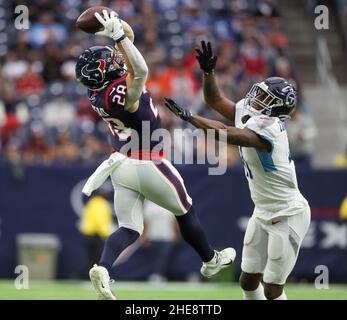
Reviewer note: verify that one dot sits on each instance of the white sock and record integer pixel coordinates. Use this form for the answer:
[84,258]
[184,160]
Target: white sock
[257,294]
[282,296]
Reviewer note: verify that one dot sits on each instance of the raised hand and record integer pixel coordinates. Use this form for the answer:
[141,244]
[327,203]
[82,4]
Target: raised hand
[177,110]
[112,25]
[205,57]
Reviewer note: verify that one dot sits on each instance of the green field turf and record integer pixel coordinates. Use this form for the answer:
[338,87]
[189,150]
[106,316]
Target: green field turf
[76,290]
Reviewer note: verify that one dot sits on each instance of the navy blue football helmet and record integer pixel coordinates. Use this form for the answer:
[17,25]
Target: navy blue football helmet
[274,97]
[97,66]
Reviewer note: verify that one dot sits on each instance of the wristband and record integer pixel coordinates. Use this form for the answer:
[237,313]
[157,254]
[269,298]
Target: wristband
[121,38]
[208,73]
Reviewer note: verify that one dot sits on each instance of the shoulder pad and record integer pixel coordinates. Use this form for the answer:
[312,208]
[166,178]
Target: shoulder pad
[265,126]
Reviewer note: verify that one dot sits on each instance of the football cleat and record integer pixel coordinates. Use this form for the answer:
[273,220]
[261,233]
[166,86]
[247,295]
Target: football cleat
[101,281]
[221,260]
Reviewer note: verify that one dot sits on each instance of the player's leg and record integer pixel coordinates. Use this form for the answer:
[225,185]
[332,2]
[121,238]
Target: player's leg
[252,288]
[280,253]
[129,209]
[254,256]
[285,239]
[162,184]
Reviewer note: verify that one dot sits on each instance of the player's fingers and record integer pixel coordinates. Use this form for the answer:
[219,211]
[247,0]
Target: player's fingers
[99,17]
[209,49]
[106,16]
[214,59]
[112,15]
[172,103]
[203,45]
[167,105]
[198,51]
[168,100]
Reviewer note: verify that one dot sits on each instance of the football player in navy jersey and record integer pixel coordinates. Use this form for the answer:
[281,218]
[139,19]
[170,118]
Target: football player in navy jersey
[115,78]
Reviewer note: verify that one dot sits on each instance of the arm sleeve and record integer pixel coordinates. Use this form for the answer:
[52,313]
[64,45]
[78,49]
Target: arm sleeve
[140,72]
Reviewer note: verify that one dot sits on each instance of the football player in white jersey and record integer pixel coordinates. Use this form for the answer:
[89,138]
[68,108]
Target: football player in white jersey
[281,215]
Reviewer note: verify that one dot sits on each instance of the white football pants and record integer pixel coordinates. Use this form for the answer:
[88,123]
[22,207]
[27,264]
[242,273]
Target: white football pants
[158,181]
[271,247]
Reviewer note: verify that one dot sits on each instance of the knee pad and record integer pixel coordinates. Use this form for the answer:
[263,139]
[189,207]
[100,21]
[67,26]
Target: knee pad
[250,232]
[276,246]
[250,265]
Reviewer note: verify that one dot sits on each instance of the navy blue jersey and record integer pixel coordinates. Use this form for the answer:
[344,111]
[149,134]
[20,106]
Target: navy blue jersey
[109,104]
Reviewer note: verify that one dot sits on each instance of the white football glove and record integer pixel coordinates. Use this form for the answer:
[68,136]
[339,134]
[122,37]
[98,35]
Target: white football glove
[112,25]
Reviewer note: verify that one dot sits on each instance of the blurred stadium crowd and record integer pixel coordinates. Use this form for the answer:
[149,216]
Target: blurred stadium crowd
[45,117]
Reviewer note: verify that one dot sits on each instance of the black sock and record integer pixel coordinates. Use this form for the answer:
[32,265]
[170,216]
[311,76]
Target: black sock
[115,244]
[194,234]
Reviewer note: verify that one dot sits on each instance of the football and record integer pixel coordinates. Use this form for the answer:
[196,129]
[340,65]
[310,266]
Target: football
[87,22]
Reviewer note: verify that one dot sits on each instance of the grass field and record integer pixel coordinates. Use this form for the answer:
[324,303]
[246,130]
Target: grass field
[77,290]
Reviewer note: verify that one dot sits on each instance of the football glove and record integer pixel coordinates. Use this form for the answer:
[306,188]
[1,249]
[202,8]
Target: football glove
[112,25]
[205,57]
[177,110]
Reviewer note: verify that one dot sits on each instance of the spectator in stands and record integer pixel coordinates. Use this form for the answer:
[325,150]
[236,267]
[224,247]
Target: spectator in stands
[152,48]
[37,151]
[29,83]
[47,31]
[65,150]
[14,66]
[58,111]
[13,157]
[9,129]
[194,21]
[265,8]
[301,134]
[181,81]
[92,150]
[52,62]
[251,59]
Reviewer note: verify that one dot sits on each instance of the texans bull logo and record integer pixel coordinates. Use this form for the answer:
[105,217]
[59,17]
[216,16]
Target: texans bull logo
[97,74]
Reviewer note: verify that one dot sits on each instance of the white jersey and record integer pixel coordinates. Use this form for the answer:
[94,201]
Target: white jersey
[271,176]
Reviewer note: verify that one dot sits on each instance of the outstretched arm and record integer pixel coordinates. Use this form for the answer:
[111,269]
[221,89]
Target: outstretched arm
[138,70]
[136,64]
[213,96]
[240,137]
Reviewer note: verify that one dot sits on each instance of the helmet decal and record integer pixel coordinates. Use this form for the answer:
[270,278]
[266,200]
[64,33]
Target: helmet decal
[98,74]
[102,65]
[290,99]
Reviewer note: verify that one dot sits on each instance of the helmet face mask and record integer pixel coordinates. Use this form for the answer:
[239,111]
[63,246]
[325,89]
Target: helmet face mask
[274,97]
[98,66]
